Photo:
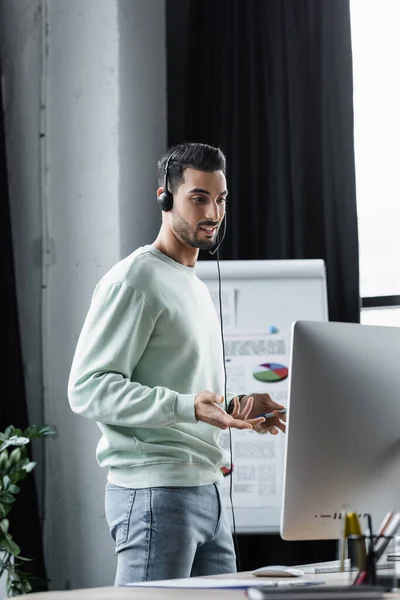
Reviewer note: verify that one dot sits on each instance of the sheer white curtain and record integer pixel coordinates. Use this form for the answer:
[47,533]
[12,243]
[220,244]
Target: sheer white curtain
[376,71]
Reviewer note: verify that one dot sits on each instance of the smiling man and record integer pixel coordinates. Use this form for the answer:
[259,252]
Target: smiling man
[149,369]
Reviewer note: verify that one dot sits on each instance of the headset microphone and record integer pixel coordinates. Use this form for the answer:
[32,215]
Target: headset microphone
[214,250]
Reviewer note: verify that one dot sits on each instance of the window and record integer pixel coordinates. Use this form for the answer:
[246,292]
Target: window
[376,73]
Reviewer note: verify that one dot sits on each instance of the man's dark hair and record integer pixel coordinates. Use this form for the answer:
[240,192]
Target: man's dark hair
[189,156]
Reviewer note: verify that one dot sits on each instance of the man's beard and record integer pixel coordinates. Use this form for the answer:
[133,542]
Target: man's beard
[185,232]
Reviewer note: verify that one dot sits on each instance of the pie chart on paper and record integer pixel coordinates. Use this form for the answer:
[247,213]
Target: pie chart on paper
[270,372]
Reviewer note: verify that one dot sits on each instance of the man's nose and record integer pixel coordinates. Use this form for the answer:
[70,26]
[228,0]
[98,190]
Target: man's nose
[214,212]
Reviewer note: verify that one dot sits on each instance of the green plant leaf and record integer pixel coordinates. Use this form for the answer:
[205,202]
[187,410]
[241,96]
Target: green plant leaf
[3,459]
[26,587]
[35,431]
[6,482]
[16,440]
[18,468]
[15,456]
[4,509]
[4,525]
[19,475]
[15,549]
[29,467]
[9,545]
[24,559]
[6,498]
[9,431]
[13,489]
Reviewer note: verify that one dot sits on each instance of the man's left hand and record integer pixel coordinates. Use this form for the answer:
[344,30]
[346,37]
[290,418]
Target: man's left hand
[263,403]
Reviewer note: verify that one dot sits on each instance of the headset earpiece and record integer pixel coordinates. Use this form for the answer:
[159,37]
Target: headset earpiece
[165,201]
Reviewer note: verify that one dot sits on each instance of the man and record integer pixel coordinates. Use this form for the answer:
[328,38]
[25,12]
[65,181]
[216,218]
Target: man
[148,368]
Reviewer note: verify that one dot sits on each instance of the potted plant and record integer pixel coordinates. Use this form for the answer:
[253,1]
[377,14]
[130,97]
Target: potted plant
[15,465]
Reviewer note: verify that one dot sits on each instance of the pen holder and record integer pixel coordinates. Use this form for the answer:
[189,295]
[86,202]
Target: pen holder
[368,575]
[371,567]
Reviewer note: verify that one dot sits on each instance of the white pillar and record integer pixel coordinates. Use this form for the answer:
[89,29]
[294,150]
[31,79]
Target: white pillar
[83,213]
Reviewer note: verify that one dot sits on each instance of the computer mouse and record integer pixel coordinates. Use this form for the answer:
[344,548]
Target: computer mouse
[277,571]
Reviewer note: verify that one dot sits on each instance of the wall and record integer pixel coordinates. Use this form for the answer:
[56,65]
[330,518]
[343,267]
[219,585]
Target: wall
[104,130]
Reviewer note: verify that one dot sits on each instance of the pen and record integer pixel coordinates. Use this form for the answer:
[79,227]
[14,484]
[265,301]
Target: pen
[391,529]
[268,415]
[382,529]
[361,577]
[383,526]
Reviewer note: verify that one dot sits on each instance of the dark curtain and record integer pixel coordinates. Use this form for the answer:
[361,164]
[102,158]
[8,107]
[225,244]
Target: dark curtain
[24,516]
[270,82]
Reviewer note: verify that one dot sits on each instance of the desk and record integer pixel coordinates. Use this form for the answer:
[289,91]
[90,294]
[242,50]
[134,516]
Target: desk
[114,593]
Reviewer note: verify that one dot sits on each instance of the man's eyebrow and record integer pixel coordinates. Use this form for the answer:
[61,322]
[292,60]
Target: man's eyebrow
[201,191]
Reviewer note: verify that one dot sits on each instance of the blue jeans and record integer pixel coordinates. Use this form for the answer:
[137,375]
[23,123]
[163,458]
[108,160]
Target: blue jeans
[169,532]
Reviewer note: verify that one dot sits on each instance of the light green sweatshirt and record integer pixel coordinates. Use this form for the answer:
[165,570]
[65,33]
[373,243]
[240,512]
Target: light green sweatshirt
[150,342]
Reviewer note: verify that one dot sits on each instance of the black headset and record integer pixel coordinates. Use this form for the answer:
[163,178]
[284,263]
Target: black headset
[166,199]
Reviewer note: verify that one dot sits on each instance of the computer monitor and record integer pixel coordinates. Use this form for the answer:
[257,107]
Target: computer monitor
[342,443]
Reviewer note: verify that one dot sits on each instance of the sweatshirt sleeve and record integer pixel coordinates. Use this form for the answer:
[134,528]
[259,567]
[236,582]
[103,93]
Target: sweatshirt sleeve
[229,397]
[113,339]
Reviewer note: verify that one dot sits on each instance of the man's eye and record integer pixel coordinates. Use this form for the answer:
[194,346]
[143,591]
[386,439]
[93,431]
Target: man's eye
[221,200]
[198,198]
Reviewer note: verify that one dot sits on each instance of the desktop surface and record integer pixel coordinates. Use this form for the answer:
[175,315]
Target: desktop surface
[111,593]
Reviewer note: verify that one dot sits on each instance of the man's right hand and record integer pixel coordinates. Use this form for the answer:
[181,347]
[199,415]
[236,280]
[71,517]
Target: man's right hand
[208,408]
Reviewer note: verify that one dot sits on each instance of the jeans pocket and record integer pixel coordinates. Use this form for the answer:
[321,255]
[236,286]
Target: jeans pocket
[118,507]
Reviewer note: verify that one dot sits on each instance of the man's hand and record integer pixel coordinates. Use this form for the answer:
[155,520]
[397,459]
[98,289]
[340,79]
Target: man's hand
[207,407]
[263,403]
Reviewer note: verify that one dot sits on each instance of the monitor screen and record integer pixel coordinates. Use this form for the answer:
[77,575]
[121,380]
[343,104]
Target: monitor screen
[342,447]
